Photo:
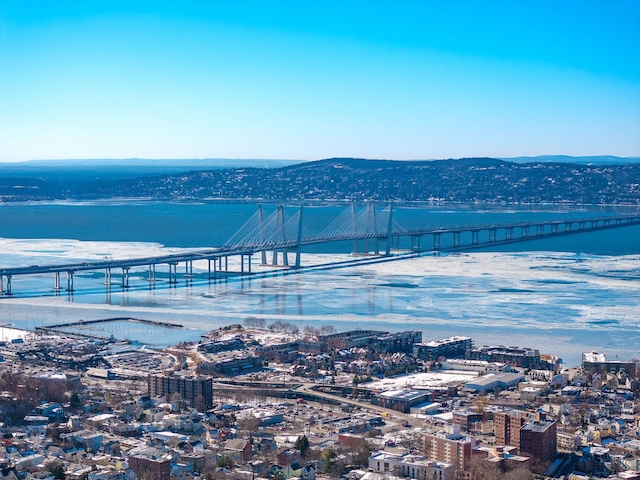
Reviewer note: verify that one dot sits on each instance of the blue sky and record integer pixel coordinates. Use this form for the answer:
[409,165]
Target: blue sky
[310,80]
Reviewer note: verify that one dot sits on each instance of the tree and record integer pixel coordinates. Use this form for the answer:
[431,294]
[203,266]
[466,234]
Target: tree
[74,401]
[225,462]
[362,456]
[57,470]
[250,322]
[328,454]
[302,444]
[199,403]
[327,330]
[55,432]
[518,473]
[249,424]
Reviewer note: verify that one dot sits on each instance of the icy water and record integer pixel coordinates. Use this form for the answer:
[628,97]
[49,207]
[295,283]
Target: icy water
[564,296]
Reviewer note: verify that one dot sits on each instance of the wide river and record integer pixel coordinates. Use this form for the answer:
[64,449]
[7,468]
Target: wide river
[563,296]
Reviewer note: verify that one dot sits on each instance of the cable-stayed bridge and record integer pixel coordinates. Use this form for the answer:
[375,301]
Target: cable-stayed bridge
[275,237]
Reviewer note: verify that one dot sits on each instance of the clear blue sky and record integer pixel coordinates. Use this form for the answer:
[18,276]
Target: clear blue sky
[315,79]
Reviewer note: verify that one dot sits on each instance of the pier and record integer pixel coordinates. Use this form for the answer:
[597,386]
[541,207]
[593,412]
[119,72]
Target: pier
[58,328]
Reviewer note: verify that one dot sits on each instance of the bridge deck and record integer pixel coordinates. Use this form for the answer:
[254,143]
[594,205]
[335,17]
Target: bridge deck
[280,242]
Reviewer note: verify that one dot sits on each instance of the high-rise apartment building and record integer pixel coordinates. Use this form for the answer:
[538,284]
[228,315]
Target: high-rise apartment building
[450,447]
[507,425]
[538,440]
[190,389]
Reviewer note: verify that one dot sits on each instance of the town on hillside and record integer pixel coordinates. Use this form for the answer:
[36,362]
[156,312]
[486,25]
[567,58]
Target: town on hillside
[272,401]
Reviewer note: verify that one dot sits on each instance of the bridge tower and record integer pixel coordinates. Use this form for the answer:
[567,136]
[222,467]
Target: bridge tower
[389,229]
[299,239]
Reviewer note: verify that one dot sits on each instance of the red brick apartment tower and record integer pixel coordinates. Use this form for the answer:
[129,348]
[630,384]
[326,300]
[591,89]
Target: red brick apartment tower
[506,427]
[538,440]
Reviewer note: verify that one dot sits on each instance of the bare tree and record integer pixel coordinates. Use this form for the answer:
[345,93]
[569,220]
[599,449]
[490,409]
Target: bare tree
[250,322]
[249,424]
[327,330]
[199,403]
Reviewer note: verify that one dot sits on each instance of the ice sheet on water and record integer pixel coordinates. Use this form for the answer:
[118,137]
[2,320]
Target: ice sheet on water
[585,301]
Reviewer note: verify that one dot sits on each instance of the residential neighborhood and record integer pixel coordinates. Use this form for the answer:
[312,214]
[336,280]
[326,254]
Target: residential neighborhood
[270,401]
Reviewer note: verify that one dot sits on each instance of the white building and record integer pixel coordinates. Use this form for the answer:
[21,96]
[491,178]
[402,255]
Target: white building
[412,466]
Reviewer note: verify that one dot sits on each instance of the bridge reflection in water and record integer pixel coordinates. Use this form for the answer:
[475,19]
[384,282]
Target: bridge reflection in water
[373,232]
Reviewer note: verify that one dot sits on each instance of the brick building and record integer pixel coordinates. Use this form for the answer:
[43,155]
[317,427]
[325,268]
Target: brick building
[151,465]
[450,447]
[538,440]
[189,388]
[507,425]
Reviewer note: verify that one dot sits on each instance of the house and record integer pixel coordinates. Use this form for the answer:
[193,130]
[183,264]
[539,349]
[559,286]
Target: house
[294,469]
[287,457]
[238,449]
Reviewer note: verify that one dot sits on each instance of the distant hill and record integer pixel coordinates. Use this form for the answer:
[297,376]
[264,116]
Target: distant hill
[593,160]
[111,169]
[481,180]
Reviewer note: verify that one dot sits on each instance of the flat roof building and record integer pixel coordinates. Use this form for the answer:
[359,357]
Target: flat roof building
[400,400]
[189,388]
[538,440]
[516,356]
[450,447]
[507,425]
[452,347]
[487,383]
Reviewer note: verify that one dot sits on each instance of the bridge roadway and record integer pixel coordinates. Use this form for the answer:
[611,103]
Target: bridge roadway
[542,229]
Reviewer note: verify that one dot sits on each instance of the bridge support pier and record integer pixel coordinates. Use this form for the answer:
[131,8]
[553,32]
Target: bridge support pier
[508,233]
[539,229]
[554,228]
[436,241]
[8,289]
[209,267]
[581,225]
[125,277]
[107,277]
[525,232]
[152,272]
[474,237]
[69,281]
[1,285]
[173,273]
[188,269]
[242,255]
[456,239]
[56,281]
[492,234]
